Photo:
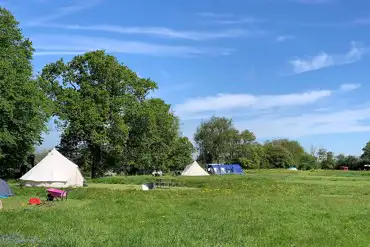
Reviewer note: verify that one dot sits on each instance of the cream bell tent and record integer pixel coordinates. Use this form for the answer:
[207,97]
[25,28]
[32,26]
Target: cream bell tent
[54,170]
[194,169]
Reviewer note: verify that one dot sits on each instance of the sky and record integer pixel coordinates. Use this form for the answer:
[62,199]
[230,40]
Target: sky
[281,68]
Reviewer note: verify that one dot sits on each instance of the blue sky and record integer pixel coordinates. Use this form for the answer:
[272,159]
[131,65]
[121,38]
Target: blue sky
[280,68]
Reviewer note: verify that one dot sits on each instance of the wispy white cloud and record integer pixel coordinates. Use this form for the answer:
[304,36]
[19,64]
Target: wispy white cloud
[342,121]
[358,22]
[68,9]
[349,87]
[283,38]
[57,53]
[69,44]
[355,53]
[164,32]
[323,60]
[222,102]
[227,18]
[245,20]
[319,61]
[280,116]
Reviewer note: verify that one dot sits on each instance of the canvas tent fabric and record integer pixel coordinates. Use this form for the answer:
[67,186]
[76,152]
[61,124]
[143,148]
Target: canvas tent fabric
[54,170]
[194,169]
[221,169]
[5,190]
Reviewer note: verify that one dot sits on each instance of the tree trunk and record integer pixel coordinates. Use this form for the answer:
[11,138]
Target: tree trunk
[97,159]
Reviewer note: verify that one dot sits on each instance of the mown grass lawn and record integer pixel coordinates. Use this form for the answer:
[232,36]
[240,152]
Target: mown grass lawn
[263,208]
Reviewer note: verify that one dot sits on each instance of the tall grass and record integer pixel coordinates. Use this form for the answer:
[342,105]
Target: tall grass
[265,208]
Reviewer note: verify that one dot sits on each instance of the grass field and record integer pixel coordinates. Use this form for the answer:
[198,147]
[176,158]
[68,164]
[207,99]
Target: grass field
[263,208]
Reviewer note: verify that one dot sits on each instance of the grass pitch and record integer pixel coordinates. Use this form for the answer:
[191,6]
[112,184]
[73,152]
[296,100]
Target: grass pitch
[263,208]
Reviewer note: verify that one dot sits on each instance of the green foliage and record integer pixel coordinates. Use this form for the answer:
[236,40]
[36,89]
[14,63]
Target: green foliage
[278,156]
[329,161]
[352,162]
[107,121]
[307,162]
[218,141]
[24,108]
[213,139]
[40,155]
[180,154]
[366,153]
[154,136]
[92,93]
[293,147]
[253,156]
[322,154]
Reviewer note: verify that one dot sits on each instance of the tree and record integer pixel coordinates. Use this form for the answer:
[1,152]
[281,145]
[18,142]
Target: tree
[213,139]
[308,162]
[92,93]
[253,156]
[40,155]
[76,150]
[180,154]
[328,162]
[366,153]
[352,162]
[243,143]
[294,148]
[278,156]
[340,160]
[219,141]
[24,107]
[313,150]
[154,136]
[322,154]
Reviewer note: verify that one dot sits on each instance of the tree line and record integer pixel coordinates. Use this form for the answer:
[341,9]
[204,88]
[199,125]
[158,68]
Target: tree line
[218,141]
[108,121]
[102,109]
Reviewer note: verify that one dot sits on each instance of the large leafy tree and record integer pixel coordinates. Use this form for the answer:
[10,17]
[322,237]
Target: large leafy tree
[154,136]
[366,153]
[219,141]
[213,138]
[278,156]
[294,147]
[24,107]
[92,94]
[180,154]
[329,161]
[351,161]
[73,147]
[253,156]
[307,162]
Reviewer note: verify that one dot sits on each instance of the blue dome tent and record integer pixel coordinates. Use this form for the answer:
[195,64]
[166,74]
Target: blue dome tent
[5,191]
[221,169]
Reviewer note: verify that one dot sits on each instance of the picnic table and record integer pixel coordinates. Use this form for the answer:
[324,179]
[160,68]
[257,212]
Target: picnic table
[166,183]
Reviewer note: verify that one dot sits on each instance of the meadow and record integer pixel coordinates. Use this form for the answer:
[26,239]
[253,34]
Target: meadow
[263,208]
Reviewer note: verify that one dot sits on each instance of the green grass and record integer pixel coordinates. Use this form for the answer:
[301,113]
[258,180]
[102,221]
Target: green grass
[263,208]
